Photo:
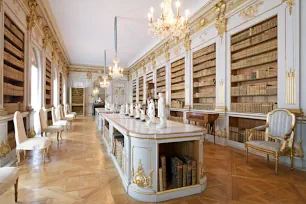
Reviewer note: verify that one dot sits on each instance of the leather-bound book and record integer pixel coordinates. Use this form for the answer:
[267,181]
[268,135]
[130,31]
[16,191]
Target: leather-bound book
[188,162]
[161,176]
[163,166]
[177,172]
[185,169]
[194,172]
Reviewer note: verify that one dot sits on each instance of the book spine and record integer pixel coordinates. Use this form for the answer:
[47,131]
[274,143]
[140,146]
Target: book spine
[179,173]
[161,178]
[185,169]
[163,164]
[194,172]
[189,174]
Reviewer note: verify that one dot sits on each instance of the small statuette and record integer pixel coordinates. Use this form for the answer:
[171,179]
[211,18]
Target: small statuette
[137,111]
[142,115]
[122,110]
[131,110]
[151,112]
[126,109]
[113,107]
[162,114]
[99,100]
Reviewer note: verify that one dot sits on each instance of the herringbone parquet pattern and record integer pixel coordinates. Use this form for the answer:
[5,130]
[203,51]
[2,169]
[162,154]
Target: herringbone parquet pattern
[79,171]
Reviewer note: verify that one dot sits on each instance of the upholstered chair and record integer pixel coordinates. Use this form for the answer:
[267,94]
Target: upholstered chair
[56,118]
[49,129]
[65,117]
[8,178]
[68,111]
[279,136]
[23,143]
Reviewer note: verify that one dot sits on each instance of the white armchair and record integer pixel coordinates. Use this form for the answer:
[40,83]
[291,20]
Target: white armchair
[56,118]
[49,129]
[65,117]
[8,178]
[23,143]
[68,111]
[280,126]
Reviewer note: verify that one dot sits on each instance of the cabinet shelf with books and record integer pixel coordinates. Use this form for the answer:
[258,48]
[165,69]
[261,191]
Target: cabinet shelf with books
[118,150]
[178,165]
[140,85]
[13,67]
[239,129]
[77,99]
[204,78]
[254,68]
[134,91]
[161,80]
[48,84]
[150,85]
[177,116]
[61,88]
[178,84]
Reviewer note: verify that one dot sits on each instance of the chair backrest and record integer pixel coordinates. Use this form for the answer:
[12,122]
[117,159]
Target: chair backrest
[281,122]
[58,113]
[20,134]
[61,112]
[53,115]
[43,119]
[66,109]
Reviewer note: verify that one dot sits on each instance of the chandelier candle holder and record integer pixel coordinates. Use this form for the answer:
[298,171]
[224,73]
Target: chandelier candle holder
[168,25]
[115,71]
[105,82]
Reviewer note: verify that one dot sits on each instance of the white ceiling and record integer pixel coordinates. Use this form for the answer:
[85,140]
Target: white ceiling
[86,27]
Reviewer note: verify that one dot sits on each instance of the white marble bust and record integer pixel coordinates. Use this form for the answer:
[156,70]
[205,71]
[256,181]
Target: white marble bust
[151,112]
[122,110]
[137,111]
[162,114]
[131,110]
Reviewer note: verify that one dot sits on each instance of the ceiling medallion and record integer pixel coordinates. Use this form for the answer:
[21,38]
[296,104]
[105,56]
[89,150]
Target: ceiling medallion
[168,25]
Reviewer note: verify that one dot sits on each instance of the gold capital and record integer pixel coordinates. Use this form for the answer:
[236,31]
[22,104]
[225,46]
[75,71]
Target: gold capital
[32,18]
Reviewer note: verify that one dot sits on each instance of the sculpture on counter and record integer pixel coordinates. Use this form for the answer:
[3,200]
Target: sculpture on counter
[126,109]
[151,112]
[106,105]
[99,100]
[142,115]
[131,110]
[162,114]
[122,110]
[113,107]
[137,111]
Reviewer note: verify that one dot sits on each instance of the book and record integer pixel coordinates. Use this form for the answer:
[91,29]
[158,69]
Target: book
[163,165]
[161,177]
[177,172]
[185,169]
[194,172]
[188,162]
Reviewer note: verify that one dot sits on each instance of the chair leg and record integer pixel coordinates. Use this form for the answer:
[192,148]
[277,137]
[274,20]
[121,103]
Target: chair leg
[18,157]
[291,159]
[42,134]
[16,191]
[61,135]
[268,158]
[24,154]
[57,136]
[276,164]
[44,155]
[246,154]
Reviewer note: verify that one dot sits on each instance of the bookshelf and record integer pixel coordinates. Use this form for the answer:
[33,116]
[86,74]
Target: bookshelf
[254,68]
[13,67]
[178,84]
[48,85]
[150,85]
[140,85]
[161,80]
[134,91]
[239,129]
[61,88]
[204,78]
[177,116]
[77,98]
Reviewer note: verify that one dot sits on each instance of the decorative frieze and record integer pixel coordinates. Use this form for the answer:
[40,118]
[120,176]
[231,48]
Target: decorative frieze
[251,11]
[46,37]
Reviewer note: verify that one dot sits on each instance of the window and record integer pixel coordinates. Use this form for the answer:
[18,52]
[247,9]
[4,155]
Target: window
[35,88]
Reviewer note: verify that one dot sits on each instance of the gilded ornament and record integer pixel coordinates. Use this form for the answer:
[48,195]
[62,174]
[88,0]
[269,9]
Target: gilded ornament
[31,133]
[251,11]
[46,37]
[290,87]
[234,4]
[140,179]
[221,21]
[32,18]
[290,4]
[4,149]
[187,42]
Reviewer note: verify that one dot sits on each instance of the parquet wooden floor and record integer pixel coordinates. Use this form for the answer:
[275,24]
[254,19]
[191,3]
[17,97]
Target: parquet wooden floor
[79,171]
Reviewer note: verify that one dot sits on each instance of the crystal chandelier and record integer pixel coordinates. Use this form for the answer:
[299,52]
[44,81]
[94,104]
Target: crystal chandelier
[104,83]
[168,25]
[115,71]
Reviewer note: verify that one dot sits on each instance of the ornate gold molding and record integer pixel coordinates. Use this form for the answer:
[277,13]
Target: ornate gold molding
[234,4]
[140,179]
[153,60]
[46,37]
[4,149]
[89,75]
[32,18]
[290,4]
[251,11]
[290,87]
[166,51]
[187,42]
[221,21]
[221,92]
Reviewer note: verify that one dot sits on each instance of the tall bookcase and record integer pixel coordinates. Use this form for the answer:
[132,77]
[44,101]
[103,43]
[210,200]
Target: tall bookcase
[149,81]
[134,91]
[254,68]
[48,85]
[77,100]
[204,78]
[140,85]
[161,80]
[178,84]
[13,67]
[61,88]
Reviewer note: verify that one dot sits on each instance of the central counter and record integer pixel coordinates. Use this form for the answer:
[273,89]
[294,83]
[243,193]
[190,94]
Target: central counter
[136,150]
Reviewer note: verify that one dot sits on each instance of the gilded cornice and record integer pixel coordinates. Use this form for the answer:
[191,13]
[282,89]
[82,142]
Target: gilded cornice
[187,42]
[290,4]
[33,18]
[221,20]
[234,4]
[251,11]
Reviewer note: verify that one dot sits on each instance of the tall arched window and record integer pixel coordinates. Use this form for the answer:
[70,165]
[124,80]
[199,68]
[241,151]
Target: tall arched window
[35,88]
[55,85]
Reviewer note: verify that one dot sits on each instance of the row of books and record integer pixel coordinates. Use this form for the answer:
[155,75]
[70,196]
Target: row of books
[204,58]
[13,73]
[177,172]
[204,51]
[200,106]
[253,107]
[118,150]
[178,95]
[267,35]
[206,82]
[12,90]
[242,135]
[177,104]
[13,39]
[13,49]
[205,94]
[257,74]
[179,119]
[13,28]
[254,90]
[205,65]
[177,74]
[205,72]
[177,63]
[13,107]
[178,86]
[178,68]
[254,50]
[13,60]
[256,60]
[178,79]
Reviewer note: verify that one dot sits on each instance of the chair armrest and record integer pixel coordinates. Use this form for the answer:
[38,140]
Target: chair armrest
[258,128]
